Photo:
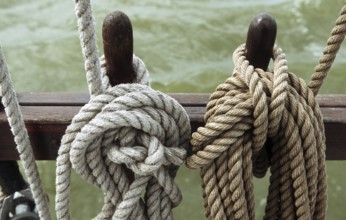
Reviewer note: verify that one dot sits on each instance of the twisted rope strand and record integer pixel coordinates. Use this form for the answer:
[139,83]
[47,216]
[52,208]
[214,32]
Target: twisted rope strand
[128,139]
[21,138]
[2,197]
[87,36]
[115,115]
[329,52]
[236,122]
[100,170]
[280,106]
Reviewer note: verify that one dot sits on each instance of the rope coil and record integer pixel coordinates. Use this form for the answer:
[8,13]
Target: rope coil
[128,139]
[245,111]
[149,132]
[100,138]
[128,124]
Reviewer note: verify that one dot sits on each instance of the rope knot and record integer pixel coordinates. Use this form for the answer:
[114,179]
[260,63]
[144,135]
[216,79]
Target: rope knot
[127,140]
[252,99]
[257,119]
[147,156]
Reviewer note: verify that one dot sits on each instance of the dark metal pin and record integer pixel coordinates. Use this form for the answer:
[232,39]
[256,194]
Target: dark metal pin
[259,50]
[260,40]
[118,48]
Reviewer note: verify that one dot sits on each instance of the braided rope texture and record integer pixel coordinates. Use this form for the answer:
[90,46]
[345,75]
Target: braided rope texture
[329,52]
[2,198]
[87,36]
[131,125]
[243,111]
[256,120]
[21,138]
[128,140]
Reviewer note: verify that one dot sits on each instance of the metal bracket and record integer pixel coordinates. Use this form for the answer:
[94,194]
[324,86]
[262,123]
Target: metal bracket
[19,206]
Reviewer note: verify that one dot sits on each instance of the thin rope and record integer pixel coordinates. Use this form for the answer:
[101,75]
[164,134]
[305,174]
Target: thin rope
[21,139]
[128,124]
[87,36]
[329,52]
[128,140]
[2,198]
[249,107]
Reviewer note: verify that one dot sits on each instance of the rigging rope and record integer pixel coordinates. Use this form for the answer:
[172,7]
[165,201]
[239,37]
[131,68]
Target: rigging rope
[2,198]
[21,138]
[148,132]
[249,107]
[131,125]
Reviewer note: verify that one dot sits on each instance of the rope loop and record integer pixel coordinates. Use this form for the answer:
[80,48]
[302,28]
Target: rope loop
[146,159]
[142,76]
[251,95]
[127,140]
[250,108]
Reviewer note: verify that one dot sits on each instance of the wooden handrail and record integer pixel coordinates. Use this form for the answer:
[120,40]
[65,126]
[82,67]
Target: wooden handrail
[47,115]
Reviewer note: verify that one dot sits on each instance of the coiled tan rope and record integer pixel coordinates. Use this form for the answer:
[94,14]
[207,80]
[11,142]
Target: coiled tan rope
[126,126]
[21,138]
[247,109]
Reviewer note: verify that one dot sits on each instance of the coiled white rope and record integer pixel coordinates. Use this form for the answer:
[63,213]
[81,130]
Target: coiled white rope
[127,139]
[132,125]
[21,139]
[2,198]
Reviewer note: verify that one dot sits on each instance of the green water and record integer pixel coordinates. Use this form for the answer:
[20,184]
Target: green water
[187,47]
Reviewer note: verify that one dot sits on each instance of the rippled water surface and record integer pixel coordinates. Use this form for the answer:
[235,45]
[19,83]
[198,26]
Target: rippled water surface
[187,47]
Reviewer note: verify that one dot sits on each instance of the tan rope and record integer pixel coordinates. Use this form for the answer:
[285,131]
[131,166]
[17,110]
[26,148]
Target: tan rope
[245,111]
[329,52]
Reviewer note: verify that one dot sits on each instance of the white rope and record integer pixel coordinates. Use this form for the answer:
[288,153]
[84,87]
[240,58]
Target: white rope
[2,198]
[128,139]
[21,138]
[142,74]
[129,124]
[87,36]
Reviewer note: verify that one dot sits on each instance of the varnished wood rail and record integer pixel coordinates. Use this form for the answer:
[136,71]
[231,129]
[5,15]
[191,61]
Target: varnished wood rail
[47,115]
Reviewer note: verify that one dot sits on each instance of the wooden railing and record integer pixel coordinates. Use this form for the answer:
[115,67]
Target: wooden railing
[47,115]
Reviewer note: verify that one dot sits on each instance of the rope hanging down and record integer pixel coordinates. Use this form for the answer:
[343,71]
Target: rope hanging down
[247,108]
[2,197]
[131,125]
[21,138]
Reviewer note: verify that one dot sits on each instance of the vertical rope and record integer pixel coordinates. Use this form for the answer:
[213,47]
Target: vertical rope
[21,139]
[87,36]
[238,122]
[2,198]
[148,140]
[329,52]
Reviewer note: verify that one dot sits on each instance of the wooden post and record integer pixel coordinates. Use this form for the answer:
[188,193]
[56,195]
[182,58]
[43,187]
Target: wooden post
[259,48]
[260,40]
[118,48]
[118,51]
